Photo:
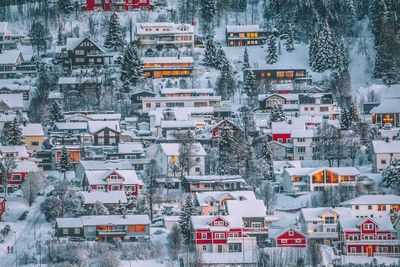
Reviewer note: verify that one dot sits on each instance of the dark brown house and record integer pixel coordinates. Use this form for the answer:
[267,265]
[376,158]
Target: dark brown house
[104,133]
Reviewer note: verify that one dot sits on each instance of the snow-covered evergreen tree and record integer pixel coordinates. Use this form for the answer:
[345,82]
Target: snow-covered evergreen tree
[99,209]
[349,117]
[250,86]
[227,157]
[131,69]
[34,183]
[272,52]
[290,39]
[277,113]
[391,176]
[64,163]
[66,6]
[322,50]
[340,58]
[174,242]
[14,133]
[220,59]
[265,160]
[184,219]
[56,114]
[207,12]
[210,53]
[226,81]
[246,63]
[149,178]
[114,38]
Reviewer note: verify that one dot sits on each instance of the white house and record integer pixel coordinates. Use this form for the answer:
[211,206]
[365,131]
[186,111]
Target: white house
[153,103]
[167,157]
[373,205]
[318,105]
[322,223]
[303,180]
[383,152]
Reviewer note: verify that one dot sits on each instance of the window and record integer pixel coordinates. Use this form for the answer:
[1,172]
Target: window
[306,108]
[368,226]
[77,230]
[357,207]
[219,236]
[280,140]
[370,207]
[197,169]
[79,52]
[284,241]
[298,241]
[301,139]
[353,250]
[291,233]
[34,143]
[324,109]
[16,177]
[158,105]
[204,247]
[329,220]
[65,231]
[383,161]
[203,236]
[311,108]
[148,105]
[280,74]
[256,225]
[381,207]
[301,149]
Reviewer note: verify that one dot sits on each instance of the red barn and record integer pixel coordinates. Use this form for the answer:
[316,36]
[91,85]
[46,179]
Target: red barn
[2,208]
[369,237]
[288,237]
[117,5]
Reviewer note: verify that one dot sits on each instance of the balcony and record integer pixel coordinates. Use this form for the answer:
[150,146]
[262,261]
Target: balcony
[374,242]
[116,232]
[322,235]
[242,240]
[255,230]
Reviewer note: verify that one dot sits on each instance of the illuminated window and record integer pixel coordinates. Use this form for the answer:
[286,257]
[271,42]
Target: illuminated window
[289,74]
[280,74]
[241,35]
[381,207]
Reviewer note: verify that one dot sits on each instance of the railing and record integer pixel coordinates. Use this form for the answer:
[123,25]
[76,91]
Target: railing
[323,235]
[257,230]
[375,241]
[396,255]
[245,239]
[111,232]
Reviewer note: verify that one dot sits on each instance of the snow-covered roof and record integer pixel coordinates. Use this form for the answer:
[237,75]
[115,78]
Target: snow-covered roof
[131,147]
[25,166]
[32,129]
[3,27]
[95,126]
[72,43]
[203,197]
[353,224]
[150,60]
[383,147]
[69,222]
[178,124]
[12,100]
[8,57]
[111,197]
[120,164]
[160,28]
[214,178]
[21,150]
[280,166]
[166,91]
[98,177]
[372,200]
[246,208]
[172,149]
[71,125]
[289,97]
[302,133]
[105,116]
[274,233]
[387,105]
[243,28]
[313,214]
[74,80]
[203,221]
[15,87]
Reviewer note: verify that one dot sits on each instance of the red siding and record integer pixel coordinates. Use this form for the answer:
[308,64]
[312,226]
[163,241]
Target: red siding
[282,136]
[135,4]
[295,240]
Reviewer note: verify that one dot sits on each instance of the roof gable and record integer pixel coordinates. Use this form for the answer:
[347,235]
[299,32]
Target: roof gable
[213,221]
[295,233]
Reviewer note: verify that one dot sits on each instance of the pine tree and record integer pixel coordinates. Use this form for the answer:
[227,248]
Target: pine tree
[220,59]
[246,63]
[340,58]
[114,38]
[266,159]
[174,243]
[99,209]
[272,55]
[131,69]
[210,53]
[14,133]
[349,118]
[323,50]
[207,12]
[184,219]
[64,163]
[391,176]
[56,114]
[277,114]
[66,6]
[290,39]
[250,86]
[227,158]
[226,81]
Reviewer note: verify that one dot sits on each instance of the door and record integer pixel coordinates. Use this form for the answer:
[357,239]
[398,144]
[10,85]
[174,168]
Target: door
[219,248]
[370,252]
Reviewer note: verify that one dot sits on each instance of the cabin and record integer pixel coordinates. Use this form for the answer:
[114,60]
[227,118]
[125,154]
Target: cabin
[278,76]
[287,238]
[103,227]
[224,124]
[245,35]
[160,35]
[368,237]
[82,53]
[33,136]
[137,96]
[117,5]
[167,67]
[14,88]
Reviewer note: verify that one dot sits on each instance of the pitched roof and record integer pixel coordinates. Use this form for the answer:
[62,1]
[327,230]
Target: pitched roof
[32,129]
[131,147]
[243,28]
[149,60]
[246,208]
[12,100]
[95,126]
[71,125]
[72,43]
[310,171]
[98,177]
[275,233]
[9,57]
[372,199]
[383,147]
[111,197]
[172,149]
[214,178]
[21,150]
[313,214]
[387,105]
[202,197]
[172,28]
[352,224]
[102,220]
[203,221]
[25,166]
[120,164]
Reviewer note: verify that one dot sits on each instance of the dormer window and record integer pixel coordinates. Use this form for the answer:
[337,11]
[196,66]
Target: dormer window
[219,223]
[291,233]
[114,177]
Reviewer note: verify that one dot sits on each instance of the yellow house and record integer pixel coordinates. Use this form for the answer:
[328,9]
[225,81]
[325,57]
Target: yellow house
[33,136]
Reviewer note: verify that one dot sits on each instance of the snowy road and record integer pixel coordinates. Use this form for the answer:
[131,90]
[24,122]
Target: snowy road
[35,223]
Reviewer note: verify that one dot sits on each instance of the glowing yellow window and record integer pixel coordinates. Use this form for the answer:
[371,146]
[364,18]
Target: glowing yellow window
[269,74]
[241,35]
[280,74]
[289,74]
[231,43]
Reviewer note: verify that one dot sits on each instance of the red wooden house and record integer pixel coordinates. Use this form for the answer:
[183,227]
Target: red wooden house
[288,237]
[370,237]
[18,175]
[112,180]
[117,5]
[2,208]
[220,234]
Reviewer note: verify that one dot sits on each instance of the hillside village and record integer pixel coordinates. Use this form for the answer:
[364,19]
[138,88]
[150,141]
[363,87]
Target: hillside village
[187,133]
